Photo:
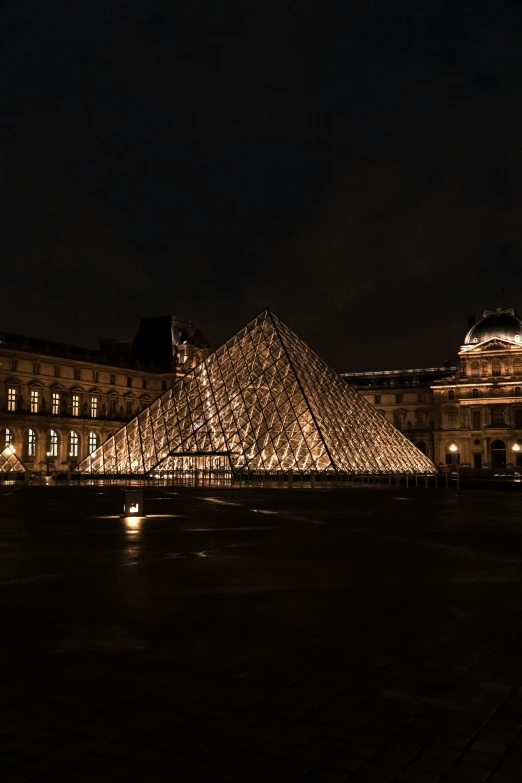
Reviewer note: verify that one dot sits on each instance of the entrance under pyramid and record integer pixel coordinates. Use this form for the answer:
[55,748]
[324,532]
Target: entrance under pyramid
[264,401]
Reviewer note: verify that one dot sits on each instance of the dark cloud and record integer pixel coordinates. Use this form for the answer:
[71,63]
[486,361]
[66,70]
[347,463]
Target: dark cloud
[356,167]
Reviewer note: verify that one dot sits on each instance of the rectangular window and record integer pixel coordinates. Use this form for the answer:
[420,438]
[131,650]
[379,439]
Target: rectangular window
[11,399]
[36,368]
[113,379]
[452,420]
[56,403]
[77,374]
[76,405]
[95,376]
[144,383]
[13,365]
[498,416]
[476,420]
[420,397]
[94,407]
[518,417]
[56,370]
[112,408]
[421,420]
[128,409]
[377,399]
[35,401]
[129,382]
[31,443]
[163,385]
[398,398]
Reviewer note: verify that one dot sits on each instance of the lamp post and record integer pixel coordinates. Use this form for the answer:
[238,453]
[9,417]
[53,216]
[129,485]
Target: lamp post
[516,448]
[453,451]
[48,456]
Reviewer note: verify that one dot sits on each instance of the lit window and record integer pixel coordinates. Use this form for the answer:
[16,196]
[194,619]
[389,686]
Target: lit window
[31,443]
[451,394]
[73,444]
[53,444]
[35,400]
[76,405]
[56,403]
[11,399]
[8,438]
[94,407]
[93,442]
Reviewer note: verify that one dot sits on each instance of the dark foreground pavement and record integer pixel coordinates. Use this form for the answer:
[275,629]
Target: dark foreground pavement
[321,636]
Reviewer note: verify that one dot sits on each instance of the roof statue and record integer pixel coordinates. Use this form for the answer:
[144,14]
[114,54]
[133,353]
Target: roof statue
[268,402]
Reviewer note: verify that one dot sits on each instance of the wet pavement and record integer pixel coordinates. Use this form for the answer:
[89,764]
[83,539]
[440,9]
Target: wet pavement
[261,635]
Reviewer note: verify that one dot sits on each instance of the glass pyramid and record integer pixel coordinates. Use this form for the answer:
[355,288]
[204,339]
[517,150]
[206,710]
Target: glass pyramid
[263,401]
[9,462]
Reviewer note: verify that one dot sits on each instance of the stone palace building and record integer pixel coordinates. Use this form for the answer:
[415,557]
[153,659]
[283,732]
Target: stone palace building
[58,402]
[469,414]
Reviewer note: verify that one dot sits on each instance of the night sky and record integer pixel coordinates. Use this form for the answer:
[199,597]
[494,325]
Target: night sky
[356,166]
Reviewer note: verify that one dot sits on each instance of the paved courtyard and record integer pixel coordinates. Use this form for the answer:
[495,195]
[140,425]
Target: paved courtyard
[261,635]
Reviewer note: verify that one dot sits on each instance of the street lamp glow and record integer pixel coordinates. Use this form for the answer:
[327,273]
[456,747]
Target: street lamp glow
[453,447]
[516,447]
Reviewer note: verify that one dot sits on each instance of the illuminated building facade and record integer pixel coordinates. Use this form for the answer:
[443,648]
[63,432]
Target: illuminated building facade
[58,402]
[469,414]
[264,401]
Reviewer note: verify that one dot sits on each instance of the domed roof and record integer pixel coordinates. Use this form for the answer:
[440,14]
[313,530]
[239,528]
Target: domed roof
[496,323]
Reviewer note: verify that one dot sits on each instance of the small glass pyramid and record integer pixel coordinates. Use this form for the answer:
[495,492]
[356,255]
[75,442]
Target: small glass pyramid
[264,401]
[9,462]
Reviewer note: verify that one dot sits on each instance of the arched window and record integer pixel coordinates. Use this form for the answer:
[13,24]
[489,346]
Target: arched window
[93,442]
[475,369]
[31,443]
[7,439]
[74,443]
[475,393]
[451,394]
[496,367]
[52,443]
[399,419]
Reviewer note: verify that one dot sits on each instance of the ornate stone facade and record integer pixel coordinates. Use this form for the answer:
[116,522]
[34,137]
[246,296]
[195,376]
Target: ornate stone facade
[58,402]
[469,414]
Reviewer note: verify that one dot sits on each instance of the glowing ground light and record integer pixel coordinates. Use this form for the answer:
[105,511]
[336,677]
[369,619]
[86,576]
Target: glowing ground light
[264,401]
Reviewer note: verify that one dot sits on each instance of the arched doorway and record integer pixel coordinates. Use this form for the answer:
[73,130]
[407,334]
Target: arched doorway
[498,454]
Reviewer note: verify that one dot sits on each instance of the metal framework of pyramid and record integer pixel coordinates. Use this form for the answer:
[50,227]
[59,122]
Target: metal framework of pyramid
[10,463]
[265,402]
